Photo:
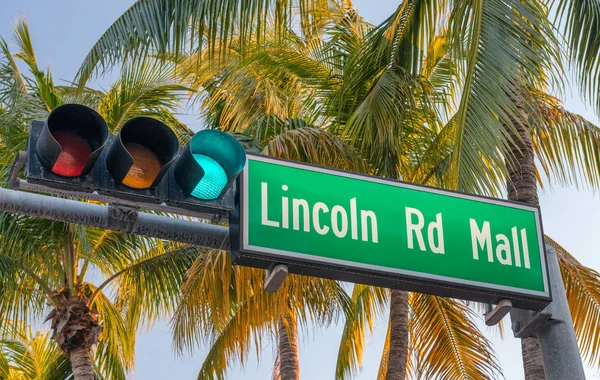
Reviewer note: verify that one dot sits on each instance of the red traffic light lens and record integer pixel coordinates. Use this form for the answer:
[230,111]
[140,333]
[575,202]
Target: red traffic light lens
[75,152]
[144,169]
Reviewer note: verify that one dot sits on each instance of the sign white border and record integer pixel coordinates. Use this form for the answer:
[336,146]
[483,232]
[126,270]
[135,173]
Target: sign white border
[376,268]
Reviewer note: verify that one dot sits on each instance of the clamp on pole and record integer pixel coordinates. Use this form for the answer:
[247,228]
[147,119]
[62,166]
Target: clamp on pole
[122,218]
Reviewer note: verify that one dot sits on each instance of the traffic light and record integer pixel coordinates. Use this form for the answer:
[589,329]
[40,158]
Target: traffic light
[209,164]
[73,150]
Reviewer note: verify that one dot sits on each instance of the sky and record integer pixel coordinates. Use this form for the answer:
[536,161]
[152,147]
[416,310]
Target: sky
[63,31]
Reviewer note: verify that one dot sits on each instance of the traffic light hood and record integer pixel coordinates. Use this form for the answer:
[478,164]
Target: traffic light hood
[141,141]
[73,133]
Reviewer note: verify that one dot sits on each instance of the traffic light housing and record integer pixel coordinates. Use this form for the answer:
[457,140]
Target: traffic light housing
[73,150]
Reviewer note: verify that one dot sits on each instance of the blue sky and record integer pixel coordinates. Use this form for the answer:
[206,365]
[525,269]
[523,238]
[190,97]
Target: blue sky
[63,32]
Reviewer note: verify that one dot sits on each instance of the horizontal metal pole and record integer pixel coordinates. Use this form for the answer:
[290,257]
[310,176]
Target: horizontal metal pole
[157,226]
[24,185]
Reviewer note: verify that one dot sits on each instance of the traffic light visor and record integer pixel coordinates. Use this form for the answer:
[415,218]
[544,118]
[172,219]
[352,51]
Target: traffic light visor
[141,152]
[209,164]
[71,140]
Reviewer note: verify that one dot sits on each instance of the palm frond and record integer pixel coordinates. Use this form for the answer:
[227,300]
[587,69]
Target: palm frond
[582,285]
[367,303]
[294,139]
[116,348]
[44,87]
[580,22]
[228,307]
[146,87]
[506,42]
[252,318]
[382,90]
[107,251]
[149,287]
[566,145]
[12,82]
[108,363]
[32,356]
[446,341]
[235,91]
[442,72]
[205,300]
[232,341]
[5,367]
[165,27]
[377,124]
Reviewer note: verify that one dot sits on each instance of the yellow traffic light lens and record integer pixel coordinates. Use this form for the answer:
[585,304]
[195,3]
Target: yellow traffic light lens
[74,154]
[144,169]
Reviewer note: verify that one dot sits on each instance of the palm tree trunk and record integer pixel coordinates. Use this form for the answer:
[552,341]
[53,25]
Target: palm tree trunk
[398,354]
[81,364]
[533,366]
[75,329]
[522,187]
[289,366]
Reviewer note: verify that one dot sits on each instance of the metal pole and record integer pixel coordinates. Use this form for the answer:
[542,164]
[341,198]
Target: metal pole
[557,337]
[553,327]
[118,218]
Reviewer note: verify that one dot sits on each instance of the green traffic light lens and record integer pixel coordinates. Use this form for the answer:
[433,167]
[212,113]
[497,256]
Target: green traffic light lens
[214,180]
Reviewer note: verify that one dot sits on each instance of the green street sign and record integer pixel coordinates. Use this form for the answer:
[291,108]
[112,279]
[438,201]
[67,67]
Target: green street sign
[350,227]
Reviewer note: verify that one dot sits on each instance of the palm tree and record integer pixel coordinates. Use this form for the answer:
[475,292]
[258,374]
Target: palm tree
[55,269]
[562,141]
[285,76]
[494,45]
[235,313]
[266,102]
[28,356]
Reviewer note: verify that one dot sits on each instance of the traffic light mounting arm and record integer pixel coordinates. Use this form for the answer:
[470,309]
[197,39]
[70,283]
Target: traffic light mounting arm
[111,217]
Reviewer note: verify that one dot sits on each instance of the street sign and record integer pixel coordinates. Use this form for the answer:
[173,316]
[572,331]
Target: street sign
[351,227]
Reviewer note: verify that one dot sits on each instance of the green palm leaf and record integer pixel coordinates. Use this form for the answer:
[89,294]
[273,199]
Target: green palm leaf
[294,139]
[146,87]
[231,341]
[505,42]
[580,21]
[24,355]
[166,26]
[12,82]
